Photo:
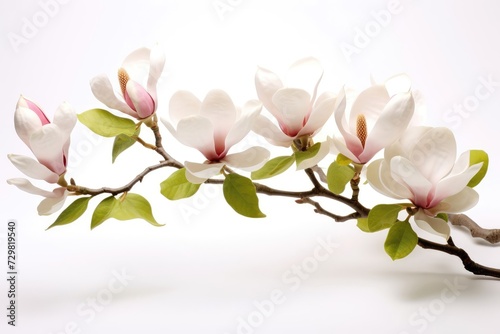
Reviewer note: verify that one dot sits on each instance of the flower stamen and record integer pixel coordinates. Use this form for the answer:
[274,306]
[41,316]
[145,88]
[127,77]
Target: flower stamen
[123,78]
[361,129]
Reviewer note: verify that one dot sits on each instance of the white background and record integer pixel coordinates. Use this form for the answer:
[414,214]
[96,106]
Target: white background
[206,269]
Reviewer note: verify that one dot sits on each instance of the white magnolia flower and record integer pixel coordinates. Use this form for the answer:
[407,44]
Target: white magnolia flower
[297,108]
[378,117]
[49,143]
[213,127]
[421,167]
[136,101]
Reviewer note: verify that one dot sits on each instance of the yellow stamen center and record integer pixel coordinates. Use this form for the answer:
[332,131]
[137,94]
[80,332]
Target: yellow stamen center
[123,78]
[361,130]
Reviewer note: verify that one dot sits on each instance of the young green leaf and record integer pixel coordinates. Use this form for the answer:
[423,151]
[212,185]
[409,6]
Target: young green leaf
[401,240]
[477,156]
[241,195]
[443,216]
[383,216]
[311,152]
[363,224]
[123,142]
[176,186]
[338,176]
[72,212]
[103,211]
[342,160]
[105,123]
[273,167]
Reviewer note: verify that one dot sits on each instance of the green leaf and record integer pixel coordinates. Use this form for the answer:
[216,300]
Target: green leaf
[129,206]
[72,212]
[123,142]
[342,160]
[442,216]
[383,216]
[273,167]
[311,152]
[401,240]
[176,186]
[477,156]
[338,176]
[363,224]
[106,124]
[241,195]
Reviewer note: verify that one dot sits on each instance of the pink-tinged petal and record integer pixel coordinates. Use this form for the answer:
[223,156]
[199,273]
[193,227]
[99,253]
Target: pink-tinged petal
[183,104]
[201,172]
[369,103]
[453,184]
[65,118]
[52,204]
[47,145]
[197,132]
[265,128]
[405,173]
[243,126]
[293,105]
[432,225]
[25,103]
[143,102]
[28,187]
[390,125]
[379,176]
[400,83]
[320,114]
[466,199]
[324,149]
[434,154]
[32,168]
[220,110]
[267,84]
[248,160]
[26,123]
[103,91]
[156,64]
[352,143]
[342,148]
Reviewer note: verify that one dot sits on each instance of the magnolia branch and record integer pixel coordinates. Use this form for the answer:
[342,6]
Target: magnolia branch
[490,235]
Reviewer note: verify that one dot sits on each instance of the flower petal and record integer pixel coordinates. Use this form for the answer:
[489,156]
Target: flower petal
[32,168]
[197,132]
[248,160]
[432,225]
[460,202]
[324,149]
[267,84]
[369,103]
[390,125]
[405,173]
[52,204]
[26,122]
[341,147]
[47,145]
[183,104]
[142,101]
[305,74]
[293,105]
[202,172]
[351,142]
[379,176]
[65,118]
[264,127]
[399,83]
[156,64]
[28,187]
[320,114]
[103,91]
[243,126]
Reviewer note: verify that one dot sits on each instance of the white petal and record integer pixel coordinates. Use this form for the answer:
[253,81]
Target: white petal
[390,125]
[202,171]
[341,147]
[65,118]
[28,187]
[193,179]
[370,103]
[248,160]
[432,225]
[26,122]
[264,127]
[220,110]
[52,204]
[267,83]
[293,105]
[47,145]
[197,132]
[305,74]
[243,126]
[458,203]
[156,64]
[352,143]
[183,104]
[103,91]
[400,83]
[405,173]
[379,176]
[323,152]
[140,55]
[320,114]
[32,168]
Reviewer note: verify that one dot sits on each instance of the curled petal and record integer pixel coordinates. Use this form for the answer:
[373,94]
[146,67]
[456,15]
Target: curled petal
[26,123]
[32,168]
[352,143]
[156,64]
[432,225]
[248,160]
[143,103]
[201,172]
[52,204]
[28,187]
[341,147]
[47,145]
[265,128]
[103,91]
[321,112]
[460,202]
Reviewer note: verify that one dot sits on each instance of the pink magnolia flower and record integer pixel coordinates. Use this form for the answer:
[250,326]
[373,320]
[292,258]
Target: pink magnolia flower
[297,108]
[213,127]
[378,117]
[137,101]
[49,143]
[422,167]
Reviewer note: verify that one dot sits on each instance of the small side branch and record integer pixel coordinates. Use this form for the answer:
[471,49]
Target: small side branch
[319,209]
[490,235]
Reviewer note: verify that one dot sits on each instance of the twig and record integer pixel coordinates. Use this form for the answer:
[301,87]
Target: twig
[319,209]
[490,235]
